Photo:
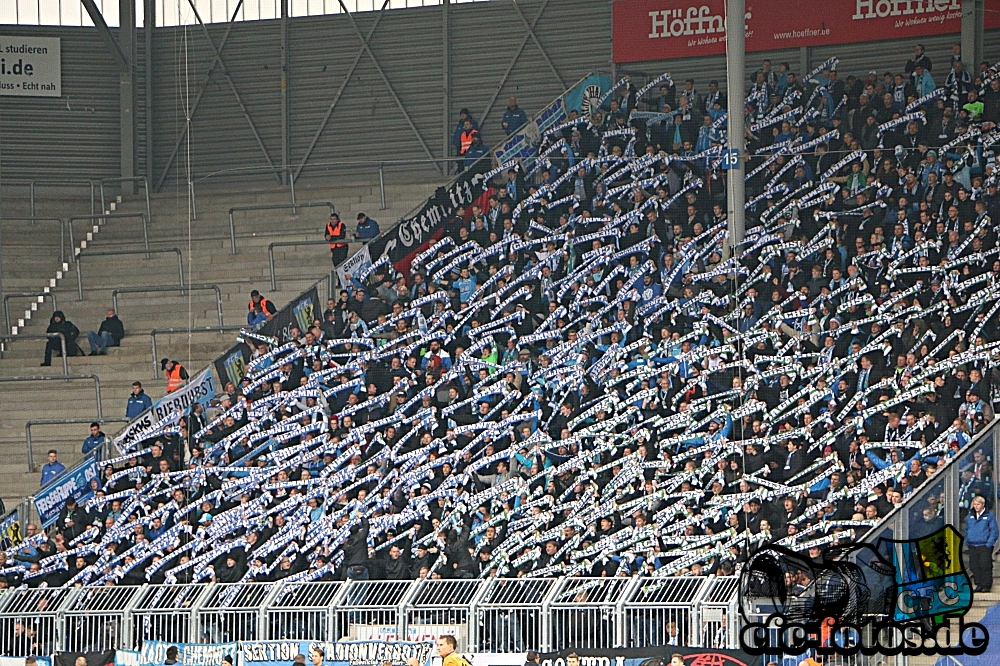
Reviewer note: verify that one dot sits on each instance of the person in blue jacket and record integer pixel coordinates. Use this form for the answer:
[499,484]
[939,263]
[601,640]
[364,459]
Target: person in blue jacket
[95,440]
[981,535]
[52,468]
[513,117]
[138,402]
[367,228]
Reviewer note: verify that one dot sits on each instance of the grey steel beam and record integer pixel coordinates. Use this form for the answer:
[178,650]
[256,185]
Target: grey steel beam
[109,40]
[236,93]
[149,27]
[445,81]
[388,84]
[972,35]
[127,94]
[530,27]
[513,61]
[199,96]
[340,92]
[284,92]
[735,75]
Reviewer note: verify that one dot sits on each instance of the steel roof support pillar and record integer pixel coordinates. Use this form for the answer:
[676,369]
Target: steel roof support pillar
[127,94]
[973,48]
[445,83]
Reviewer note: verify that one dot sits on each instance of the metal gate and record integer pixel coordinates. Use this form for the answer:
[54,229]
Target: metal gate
[661,611]
[29,620]
[372,609]
[305,612]
[166,613]
[439,607]
[96,619]
[584,613]
[232,613]
[511,617]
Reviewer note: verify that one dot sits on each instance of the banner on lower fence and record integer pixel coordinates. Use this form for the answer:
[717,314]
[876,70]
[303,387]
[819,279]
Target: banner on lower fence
[20,661]
[301,313]
[342,653]
[200,389]
[75,483]
[30,66]
[154,653]
[10,531]
[359,262]
[414,632]
[126,658]
[654,656]
[106,658]
[663,29]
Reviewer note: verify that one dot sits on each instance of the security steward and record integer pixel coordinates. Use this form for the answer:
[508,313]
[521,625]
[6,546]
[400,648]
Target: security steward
[336,233]
[175,373]
[266,306]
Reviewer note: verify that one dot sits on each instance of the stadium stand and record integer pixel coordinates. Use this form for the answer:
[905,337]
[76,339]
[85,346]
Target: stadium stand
[578,380]
[574,381]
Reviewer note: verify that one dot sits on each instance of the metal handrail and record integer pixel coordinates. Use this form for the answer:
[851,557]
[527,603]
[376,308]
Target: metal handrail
[127,179]
[270,254]
[182,289]
[33,294]
[41,336]
[37,422]
[62,231]
[62,181]
[293,206]
[109,216]
[66,378]
[112,253]
[197,329]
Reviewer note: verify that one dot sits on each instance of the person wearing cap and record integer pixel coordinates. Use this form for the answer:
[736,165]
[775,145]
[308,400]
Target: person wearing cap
[367,228]
[456,138]
[336,234]
[930,165]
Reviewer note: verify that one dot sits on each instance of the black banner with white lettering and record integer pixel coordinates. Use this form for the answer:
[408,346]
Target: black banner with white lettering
[415,234]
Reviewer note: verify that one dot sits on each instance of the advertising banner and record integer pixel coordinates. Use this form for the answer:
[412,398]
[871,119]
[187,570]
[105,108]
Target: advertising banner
[75,483]
[413,235]
[153,653]
[30,66]
[343,653]
[10,531]
[199,389]
[301,312]
[653,656]
[663,29]
[584,96]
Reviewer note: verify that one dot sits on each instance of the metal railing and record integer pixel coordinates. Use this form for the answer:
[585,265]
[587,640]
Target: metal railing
[293,206]
[166,331]
[122,180]
[182,288]
[40,295]
[64,378]
[73,182]
[39,422]
[62,231]
[270,254]
[113,253]
[491,615]
[110,216]
[40,336]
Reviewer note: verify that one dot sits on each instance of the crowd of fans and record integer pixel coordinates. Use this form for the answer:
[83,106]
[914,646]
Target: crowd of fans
[579,378]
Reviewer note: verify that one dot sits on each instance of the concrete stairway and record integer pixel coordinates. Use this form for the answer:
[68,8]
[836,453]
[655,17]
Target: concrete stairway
[32,257]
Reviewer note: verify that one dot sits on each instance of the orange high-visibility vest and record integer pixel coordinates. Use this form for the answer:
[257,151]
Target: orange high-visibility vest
[174,380]
[334,232]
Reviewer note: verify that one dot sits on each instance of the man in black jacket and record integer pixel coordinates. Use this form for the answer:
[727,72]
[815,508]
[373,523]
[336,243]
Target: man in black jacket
[356,551]
[110,334]
[59,324]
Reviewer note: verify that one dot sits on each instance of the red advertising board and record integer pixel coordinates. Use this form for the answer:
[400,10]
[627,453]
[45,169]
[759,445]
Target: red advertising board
[665,29]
